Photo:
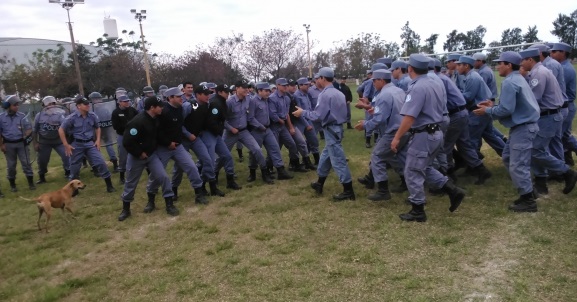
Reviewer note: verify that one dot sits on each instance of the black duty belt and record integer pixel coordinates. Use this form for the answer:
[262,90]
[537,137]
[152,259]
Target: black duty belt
[430,128]
[565,105]
[12,141]
[549,111]
[458,109]
[522,124]
[82,140]
[241,129]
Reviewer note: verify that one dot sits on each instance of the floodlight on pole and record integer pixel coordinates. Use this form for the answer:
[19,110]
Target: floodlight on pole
[307,27]
[142,16]
[68,5]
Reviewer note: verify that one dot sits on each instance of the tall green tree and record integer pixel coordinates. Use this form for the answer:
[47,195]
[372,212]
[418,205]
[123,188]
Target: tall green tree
[531,35]
[565,28]
[511,36]
[430,43]
[473,39]
[410,40]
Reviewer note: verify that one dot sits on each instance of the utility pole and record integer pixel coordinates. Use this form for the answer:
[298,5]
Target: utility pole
[307,27]
[142,16]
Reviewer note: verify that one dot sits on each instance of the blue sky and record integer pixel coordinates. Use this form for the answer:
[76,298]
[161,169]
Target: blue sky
[177,25]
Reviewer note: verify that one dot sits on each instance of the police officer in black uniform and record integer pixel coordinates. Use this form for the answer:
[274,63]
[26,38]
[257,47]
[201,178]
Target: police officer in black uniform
[120,117]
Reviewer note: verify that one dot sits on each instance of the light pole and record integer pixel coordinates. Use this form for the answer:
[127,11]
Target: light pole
[67,5]
[142,16]
[307,27]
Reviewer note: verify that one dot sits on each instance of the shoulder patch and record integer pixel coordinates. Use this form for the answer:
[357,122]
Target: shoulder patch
[377,109]
[408,98]
[214,111]
[133,131]
[534,82]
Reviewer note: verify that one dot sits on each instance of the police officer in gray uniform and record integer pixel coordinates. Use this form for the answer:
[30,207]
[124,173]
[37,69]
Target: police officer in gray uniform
[46,125]
[147,91]
[399,73]
[550,99]
[519,111]
[305,126]
[236,125]
[422,114]
[16,134]
[556,145]
[139,140]
[475,90]
[259,123]
[282,126]
[386,119]
[331,111]
[314,91]
[169,140]
[561,53]
[82,126]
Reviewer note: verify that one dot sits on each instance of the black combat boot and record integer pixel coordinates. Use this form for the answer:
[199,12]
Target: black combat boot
[318,186]
[295,166]
[569,158]
[308,164]
[456,195]
[382,193]
[541,185]
[66,173]
[175,191]
[125,211]
[402,187]
[12,185]
[170,208]
[41,179]
[570,180]
[114,165]
[214,191]
[109,187]
[251,175]
[375,138]
[150,206]
[316,157]
[203,188]
[283,174]
[322,134]
[240,156]
[417,213]
[30,180]
[1,194]
[368,180]
[526,203]
[349,126]
[95,171]
[230,183]
[265,176]
[368,142]
[482,174]
[122,179]
[347,193]
[200,196]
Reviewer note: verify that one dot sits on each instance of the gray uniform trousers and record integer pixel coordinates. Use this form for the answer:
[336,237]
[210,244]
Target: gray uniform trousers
[517,159]
[248,141]
[542,161]
[134,168]
[44,152]
[382,154]
[182,159]
[284,138]
[270,143]
[310,136]
[300,143]
[197,146]
[215,146]
[94,156]
[14,152]
[333,155]
[556,144]
[422,150]
[458,134]
[122,154]
[111,153]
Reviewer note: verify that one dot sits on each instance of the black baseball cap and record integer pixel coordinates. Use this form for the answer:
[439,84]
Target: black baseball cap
[152,101]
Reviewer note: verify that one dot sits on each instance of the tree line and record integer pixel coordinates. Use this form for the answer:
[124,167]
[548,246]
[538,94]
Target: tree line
[119,62]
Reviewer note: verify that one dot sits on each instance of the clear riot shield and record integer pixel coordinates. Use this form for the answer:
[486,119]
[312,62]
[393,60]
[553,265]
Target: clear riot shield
[104,112]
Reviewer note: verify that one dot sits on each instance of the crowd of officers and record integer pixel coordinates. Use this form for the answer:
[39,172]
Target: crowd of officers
[426,121]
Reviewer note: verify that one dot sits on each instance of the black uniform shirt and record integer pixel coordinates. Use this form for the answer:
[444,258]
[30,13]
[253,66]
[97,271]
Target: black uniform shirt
[170,125]
[217,115]
[120,117]
[140,134]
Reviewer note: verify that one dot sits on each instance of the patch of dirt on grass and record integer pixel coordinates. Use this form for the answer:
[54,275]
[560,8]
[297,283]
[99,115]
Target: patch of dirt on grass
[489,274]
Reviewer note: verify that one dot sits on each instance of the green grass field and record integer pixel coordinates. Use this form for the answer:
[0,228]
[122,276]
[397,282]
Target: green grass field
[282,243]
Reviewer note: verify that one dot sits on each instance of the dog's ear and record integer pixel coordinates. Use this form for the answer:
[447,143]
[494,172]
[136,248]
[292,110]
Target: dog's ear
[72,184]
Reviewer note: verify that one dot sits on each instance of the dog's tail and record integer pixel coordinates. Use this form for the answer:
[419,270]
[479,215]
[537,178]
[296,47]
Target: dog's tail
[28,199]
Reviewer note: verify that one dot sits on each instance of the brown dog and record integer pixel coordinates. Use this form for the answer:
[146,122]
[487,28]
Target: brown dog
[58,199]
